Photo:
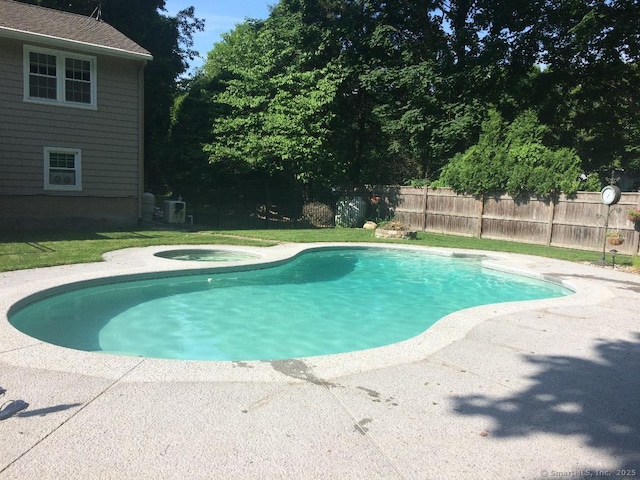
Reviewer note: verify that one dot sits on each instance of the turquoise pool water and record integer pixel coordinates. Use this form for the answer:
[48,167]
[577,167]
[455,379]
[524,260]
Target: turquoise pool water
[320,303]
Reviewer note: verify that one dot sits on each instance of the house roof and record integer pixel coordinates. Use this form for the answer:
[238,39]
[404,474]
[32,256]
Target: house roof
[54,27]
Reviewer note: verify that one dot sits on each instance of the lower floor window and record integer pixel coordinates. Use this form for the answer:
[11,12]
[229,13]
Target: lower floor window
[62,169]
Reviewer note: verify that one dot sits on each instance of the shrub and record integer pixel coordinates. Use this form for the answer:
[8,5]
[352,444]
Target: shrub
[513,158]
[317,214]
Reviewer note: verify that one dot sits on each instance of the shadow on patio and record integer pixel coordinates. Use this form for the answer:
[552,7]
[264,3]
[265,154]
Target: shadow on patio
[595,399]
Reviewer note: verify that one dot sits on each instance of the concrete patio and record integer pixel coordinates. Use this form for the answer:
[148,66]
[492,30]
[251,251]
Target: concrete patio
[529,390]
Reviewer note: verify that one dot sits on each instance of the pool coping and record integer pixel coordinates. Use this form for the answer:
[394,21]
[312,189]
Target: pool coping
[136,262]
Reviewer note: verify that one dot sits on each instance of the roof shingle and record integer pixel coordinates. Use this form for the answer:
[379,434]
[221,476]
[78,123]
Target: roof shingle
[44,23]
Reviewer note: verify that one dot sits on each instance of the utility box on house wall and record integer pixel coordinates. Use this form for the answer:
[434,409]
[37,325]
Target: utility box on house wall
[173,211]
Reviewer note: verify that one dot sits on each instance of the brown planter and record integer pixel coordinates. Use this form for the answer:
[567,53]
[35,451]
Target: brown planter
[615,240]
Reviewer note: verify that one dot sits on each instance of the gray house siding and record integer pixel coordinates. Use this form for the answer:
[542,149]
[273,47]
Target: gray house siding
[109,138]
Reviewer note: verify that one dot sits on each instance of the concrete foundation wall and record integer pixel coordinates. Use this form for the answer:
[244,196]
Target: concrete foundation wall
[49,211]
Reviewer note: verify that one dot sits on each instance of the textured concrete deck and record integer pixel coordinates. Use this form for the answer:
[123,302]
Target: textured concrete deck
[542,389]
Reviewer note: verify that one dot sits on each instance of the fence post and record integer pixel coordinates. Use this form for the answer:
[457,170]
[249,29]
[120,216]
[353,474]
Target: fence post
[267,204]
[552,212]
[424,208]
[216,208]
[480,203]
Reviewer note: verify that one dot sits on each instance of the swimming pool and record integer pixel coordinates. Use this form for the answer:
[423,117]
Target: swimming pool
[322,302]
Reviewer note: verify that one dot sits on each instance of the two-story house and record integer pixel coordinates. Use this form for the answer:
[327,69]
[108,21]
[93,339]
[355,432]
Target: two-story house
[71,120]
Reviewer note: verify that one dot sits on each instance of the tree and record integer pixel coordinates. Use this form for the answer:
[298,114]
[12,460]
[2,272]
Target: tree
[276,116]
[589,93]
[370,91]
[188,167]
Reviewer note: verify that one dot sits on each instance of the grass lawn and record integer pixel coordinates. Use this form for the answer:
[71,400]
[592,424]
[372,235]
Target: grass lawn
[21,250]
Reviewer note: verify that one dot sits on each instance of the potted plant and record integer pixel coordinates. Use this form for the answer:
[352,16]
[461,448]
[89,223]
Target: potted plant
[615,237]
[633,215]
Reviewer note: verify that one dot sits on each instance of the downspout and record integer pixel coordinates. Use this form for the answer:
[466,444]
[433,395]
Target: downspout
[140,138]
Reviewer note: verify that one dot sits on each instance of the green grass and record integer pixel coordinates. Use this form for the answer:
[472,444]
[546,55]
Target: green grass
[22,250]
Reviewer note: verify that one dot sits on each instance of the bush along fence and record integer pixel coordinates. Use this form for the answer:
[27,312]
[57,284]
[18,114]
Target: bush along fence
[577,222]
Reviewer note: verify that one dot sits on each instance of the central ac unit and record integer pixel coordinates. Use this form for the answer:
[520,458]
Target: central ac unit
[173,211]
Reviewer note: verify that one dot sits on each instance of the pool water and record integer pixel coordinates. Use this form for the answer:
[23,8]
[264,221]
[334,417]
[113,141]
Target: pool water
[322,302]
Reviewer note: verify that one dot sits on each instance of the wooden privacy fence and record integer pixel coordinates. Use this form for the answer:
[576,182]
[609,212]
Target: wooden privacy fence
[577,222]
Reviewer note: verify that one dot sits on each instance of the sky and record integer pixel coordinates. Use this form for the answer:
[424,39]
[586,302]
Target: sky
[221,16]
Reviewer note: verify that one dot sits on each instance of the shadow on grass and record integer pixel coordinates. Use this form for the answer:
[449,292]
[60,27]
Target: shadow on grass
[23,248]
[596,400]
[52,241]
[36,237]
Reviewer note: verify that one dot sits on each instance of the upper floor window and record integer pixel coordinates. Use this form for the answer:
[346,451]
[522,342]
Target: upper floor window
[55,77]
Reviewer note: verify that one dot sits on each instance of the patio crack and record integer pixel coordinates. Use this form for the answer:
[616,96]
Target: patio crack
[105,390]
[359,426]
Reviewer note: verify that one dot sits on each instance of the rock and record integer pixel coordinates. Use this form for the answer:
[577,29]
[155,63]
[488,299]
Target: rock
[370,225]
[402,234]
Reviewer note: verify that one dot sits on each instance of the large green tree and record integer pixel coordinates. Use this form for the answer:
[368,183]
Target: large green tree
[276,111]
[589,93]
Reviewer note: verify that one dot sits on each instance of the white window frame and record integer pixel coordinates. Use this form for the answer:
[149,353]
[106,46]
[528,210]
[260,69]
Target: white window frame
[60,78]
[77,153]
